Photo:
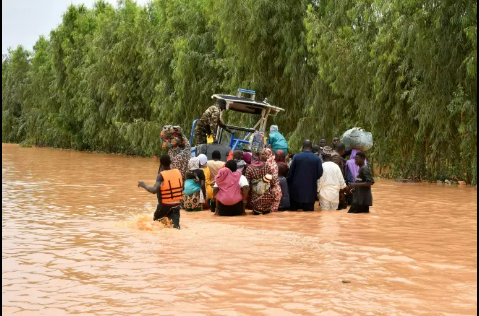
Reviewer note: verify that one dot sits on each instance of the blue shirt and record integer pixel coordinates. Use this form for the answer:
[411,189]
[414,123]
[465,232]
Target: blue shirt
[303,176]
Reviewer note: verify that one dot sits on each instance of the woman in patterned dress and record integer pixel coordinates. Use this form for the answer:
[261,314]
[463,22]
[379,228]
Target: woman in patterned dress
[180,158]
[265,190]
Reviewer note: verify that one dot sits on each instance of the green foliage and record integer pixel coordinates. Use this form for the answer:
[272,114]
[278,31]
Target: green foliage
[107,79]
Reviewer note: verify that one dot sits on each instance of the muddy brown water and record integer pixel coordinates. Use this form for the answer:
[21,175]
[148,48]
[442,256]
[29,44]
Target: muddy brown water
[77,239]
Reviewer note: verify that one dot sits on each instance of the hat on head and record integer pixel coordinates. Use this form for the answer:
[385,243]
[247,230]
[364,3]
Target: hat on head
[203,159]
[327,151]
[194,163]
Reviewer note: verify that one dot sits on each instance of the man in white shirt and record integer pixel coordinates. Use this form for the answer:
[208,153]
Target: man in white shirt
[330,183]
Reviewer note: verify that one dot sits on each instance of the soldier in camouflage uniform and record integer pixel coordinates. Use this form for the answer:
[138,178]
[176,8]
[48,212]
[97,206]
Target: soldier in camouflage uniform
[208,123]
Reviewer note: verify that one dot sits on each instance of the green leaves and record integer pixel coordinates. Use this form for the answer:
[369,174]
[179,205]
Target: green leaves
[107,79]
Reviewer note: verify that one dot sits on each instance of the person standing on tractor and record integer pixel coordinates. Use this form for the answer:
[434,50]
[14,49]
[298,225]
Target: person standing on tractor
[209,121]
[277,140]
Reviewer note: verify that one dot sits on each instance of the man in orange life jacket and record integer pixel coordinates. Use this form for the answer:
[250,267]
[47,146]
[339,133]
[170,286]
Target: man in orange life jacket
[169,190]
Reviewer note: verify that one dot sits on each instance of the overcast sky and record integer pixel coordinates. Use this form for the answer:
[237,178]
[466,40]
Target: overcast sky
[23,21]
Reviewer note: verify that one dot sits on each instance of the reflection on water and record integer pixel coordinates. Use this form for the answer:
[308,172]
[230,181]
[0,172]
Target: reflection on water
[77,239]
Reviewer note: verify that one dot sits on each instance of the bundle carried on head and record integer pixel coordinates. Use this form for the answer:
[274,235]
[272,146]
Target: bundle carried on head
[172,137]
[357,138]
[257,142]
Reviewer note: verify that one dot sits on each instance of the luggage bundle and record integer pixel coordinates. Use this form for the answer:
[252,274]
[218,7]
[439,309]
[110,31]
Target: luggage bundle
[172,137]
[357,138]
[257,142]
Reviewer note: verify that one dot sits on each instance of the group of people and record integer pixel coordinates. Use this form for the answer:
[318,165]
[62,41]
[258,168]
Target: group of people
[267,180]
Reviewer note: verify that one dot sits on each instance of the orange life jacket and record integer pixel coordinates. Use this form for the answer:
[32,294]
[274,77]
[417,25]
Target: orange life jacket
[172,189]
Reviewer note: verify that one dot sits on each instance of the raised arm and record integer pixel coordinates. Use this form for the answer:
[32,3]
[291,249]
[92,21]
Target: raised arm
[154,189]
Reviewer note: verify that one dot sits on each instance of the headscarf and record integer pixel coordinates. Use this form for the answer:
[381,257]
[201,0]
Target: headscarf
[273,170]
[280,156]
[247,158]
[179,159]
[256,160]
[351,164]
[194,163]
[280,159]
[270,162]
[229,192]
[274,129]
[203,159]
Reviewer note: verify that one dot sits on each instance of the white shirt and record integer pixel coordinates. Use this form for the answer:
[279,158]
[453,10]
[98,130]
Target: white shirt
[331,182]
[243,182]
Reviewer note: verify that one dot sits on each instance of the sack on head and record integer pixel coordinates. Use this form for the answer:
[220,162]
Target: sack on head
[172,137]
[357,138]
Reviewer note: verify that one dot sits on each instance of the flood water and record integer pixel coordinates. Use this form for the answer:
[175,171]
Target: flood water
[77,239]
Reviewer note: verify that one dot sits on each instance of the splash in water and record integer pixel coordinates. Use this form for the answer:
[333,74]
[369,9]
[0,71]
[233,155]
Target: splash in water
[143,221]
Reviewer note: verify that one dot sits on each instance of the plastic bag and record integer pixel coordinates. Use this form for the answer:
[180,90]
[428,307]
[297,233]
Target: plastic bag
[172,137]
[357,138]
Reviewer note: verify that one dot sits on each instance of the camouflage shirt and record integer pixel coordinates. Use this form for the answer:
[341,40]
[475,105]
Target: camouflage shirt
[210,120]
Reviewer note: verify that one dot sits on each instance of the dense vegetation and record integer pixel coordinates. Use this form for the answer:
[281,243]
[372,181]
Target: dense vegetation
[108,78]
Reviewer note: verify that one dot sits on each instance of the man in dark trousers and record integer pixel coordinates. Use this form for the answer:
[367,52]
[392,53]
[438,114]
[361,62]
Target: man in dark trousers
[362,196]
[303,176]
[169,191]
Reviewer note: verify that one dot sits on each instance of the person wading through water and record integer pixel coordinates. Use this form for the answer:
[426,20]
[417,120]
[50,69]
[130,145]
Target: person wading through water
[362,196]
[169,191]
[304,173]
[331,182]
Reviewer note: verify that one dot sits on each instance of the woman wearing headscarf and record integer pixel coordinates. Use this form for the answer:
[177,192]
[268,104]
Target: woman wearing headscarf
[230,191]
[265,190]
[247,158]
[194,166]
[192,193]
[280,158]
[276,140]
[179,158]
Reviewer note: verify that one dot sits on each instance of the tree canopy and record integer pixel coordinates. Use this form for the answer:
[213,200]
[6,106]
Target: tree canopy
[108,78]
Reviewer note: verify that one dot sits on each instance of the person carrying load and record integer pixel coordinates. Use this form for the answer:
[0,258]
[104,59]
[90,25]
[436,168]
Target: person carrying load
[169,191]
[208,123]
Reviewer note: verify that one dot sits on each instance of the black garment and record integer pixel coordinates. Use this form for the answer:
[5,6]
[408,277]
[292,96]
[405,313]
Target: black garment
[307,207]
[363,195]
[356,209]
[200,174]
[342,205]
[349,198]
[230,210]
[347,153]
[303,176]
[212,205]
[172,212]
